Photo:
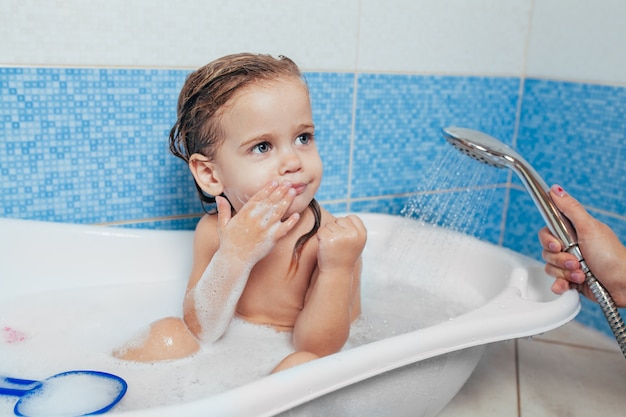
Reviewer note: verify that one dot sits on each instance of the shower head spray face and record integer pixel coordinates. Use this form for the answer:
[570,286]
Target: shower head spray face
[491,151]
[481,147]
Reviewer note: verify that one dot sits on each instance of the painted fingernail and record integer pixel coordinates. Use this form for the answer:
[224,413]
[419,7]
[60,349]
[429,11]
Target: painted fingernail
[578,277]
[571,265]
[558,190]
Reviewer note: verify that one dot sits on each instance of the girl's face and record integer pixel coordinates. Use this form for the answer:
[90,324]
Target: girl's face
[269,136]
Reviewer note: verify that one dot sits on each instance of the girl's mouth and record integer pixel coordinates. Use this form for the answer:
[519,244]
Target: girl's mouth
[299,187]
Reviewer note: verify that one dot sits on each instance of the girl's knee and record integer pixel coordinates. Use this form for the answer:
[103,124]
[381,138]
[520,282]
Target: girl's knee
[294,359]
[168,338]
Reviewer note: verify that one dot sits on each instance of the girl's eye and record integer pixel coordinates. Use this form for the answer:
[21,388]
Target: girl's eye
[261,147]
[304,139]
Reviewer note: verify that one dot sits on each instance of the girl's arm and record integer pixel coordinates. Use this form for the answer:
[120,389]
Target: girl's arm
[225,251]
[216,284]
[333,301]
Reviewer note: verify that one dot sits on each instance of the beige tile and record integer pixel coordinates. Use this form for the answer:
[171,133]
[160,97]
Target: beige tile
[561,380]
[450,37]
[575,333]
[318,35]
[575,40]
[491,390]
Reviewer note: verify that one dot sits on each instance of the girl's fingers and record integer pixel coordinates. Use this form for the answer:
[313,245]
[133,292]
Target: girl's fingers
[284,227]
[223,211]
[272,193]
[272,202]
[265,192]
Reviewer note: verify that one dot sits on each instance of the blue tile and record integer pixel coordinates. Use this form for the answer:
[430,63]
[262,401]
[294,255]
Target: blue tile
[384,205]
[591,315]
[575,135]
[90,145]
[399,122]
[166,224]
[332,100]
[476,212]
[334,208]
[523,222]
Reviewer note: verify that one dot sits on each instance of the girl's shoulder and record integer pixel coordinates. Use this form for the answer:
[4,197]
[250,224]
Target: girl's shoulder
[326,216]
[206,235]
[207,221]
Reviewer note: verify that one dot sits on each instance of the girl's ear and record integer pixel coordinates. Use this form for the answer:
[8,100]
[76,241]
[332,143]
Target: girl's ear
[205,174]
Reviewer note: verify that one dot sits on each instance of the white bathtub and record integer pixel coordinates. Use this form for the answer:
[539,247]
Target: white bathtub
[434,298]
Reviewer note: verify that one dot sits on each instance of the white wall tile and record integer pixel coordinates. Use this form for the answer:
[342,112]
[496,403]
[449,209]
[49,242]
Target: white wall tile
[163,33]
[578,40]
[485,37]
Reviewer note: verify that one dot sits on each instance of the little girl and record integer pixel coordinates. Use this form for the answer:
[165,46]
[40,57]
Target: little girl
[271,255]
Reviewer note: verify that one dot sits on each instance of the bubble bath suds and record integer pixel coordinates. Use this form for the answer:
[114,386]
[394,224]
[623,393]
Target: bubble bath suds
[79,328]
[73,394]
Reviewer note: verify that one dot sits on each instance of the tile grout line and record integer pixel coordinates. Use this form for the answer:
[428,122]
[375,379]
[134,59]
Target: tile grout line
[517,379]
[576,345]
[355,92]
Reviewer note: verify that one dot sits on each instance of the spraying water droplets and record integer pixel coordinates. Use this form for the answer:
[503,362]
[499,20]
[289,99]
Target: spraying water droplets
[457,195]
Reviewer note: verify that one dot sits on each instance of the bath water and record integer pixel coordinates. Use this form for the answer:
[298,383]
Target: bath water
[47,333]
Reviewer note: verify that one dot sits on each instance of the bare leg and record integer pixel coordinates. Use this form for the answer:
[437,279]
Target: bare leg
[168,338]
[294,359]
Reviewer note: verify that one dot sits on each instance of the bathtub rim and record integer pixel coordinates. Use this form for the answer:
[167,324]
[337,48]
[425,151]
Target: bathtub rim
[397,351]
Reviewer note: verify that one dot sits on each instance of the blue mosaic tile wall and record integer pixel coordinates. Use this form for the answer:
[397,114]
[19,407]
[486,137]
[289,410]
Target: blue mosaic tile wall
[90,146]
[399,121]
[332,101]
[400,156]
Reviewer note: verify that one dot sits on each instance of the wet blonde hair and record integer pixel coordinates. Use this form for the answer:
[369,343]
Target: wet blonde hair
[206,92]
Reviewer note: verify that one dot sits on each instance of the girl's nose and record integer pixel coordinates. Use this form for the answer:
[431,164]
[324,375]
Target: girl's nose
[290,162]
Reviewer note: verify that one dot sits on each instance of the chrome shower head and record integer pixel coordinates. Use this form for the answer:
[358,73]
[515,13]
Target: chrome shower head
[481,147]
[491,151]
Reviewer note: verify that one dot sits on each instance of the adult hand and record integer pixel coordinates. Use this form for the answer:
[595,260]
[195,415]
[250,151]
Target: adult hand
[602,250]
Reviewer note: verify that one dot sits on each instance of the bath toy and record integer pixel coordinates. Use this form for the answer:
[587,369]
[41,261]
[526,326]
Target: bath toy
[72,393]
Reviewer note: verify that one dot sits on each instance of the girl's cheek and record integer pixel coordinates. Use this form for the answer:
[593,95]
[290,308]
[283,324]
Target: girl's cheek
[242,199]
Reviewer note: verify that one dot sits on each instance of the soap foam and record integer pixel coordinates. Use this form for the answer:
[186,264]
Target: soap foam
[78,329]
[72,394]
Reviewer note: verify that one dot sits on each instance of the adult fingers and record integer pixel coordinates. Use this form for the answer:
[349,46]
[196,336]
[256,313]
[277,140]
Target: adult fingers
[548,241]
[572,209]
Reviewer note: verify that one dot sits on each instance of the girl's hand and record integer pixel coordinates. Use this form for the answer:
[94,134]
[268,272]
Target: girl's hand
[340,244]
[253,232]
